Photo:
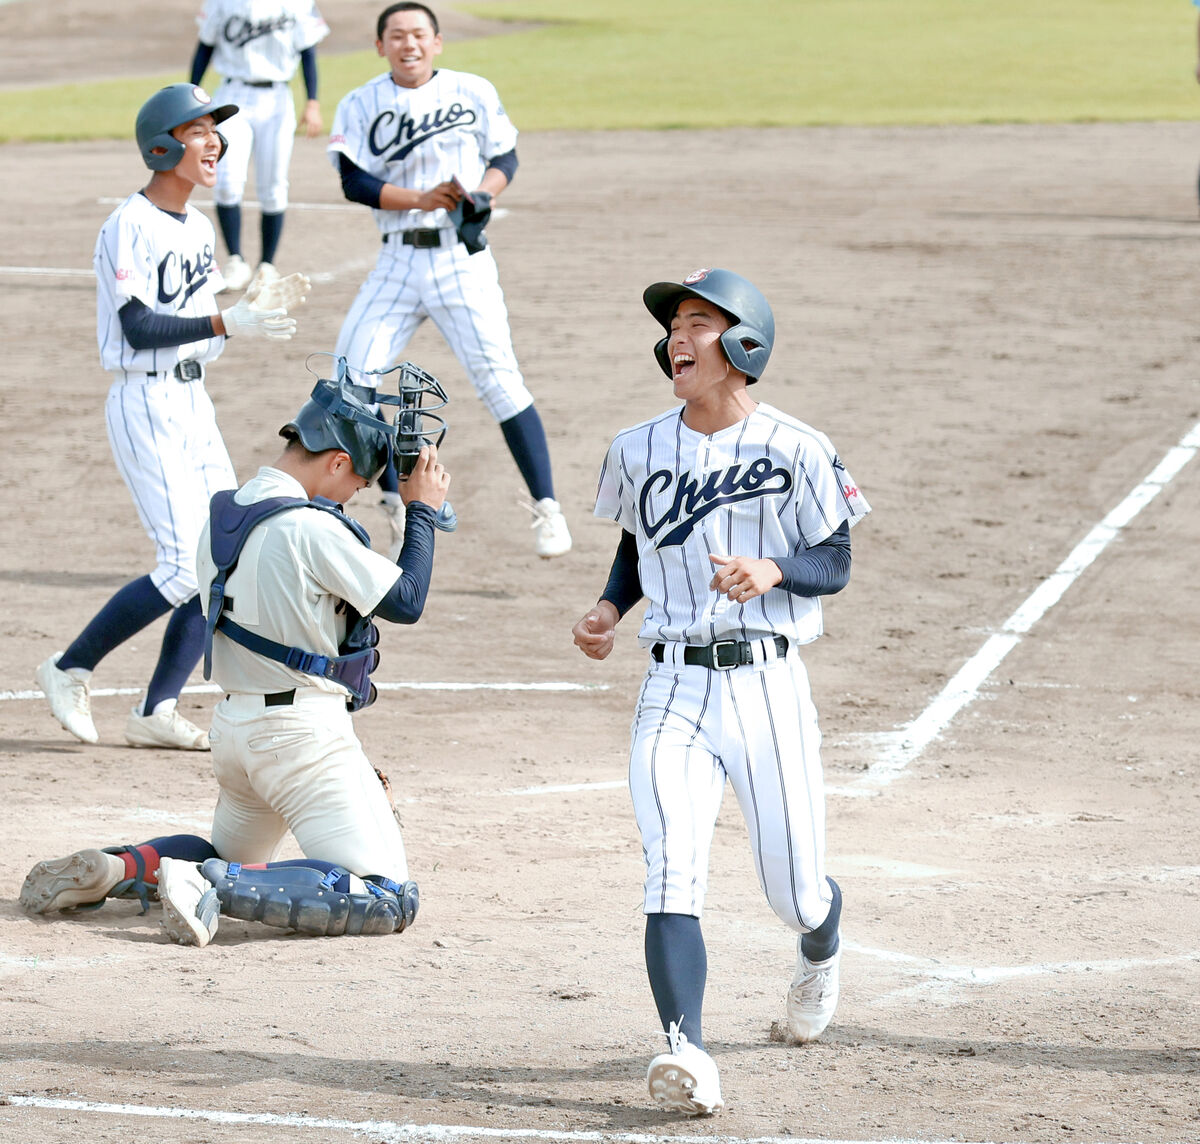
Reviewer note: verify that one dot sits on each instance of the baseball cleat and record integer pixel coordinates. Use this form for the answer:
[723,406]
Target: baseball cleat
[167,729]
[813,997]
[684,1079]
[189,901]
[69,698]
[237,273]
[550,534]
[79,879]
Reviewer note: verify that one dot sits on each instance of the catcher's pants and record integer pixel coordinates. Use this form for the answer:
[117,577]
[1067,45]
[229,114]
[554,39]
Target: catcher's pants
[265,125]
[461,293]
[300,767]
[757,727]
[169,451]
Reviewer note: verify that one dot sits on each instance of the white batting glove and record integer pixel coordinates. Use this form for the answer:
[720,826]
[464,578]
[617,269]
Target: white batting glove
[281,293]
[244,317]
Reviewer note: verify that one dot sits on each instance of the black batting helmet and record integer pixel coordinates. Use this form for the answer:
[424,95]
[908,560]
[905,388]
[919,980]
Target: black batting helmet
[751,334]
[168,108]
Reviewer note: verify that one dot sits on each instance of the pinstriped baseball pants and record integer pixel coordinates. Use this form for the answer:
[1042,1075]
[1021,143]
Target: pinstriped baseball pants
[756,727]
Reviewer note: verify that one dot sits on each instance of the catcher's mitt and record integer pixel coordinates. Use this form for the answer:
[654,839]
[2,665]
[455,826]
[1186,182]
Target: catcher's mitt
[470,215]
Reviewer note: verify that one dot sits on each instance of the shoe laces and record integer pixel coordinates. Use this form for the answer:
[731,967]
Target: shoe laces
[812,987]
[543,512]
[676,1038]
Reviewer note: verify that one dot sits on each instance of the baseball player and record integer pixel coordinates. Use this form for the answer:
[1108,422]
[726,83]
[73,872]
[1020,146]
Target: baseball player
[158,326]
[735,519]
[429,150]
[256,45]
[292,587]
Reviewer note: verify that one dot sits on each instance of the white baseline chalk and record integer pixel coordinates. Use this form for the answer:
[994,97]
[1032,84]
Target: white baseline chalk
[903,746]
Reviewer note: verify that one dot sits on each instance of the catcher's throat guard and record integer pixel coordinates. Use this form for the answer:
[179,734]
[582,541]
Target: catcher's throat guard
[230,524]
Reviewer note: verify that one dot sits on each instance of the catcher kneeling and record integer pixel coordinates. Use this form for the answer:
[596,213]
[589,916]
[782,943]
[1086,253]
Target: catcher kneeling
[292,587]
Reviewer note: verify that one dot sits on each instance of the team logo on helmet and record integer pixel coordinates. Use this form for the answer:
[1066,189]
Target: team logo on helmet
[697,276]
[201,95]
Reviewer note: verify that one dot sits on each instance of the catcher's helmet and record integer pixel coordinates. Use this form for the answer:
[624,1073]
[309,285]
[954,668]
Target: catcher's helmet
[751,334]
[176,104]
[337,416]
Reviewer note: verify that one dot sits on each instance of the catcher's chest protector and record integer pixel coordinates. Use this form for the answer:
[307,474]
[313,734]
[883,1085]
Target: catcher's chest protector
[230,524]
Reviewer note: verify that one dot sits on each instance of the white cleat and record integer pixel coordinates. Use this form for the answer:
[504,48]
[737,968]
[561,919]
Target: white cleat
[79,879]
[684,1079]
[237,273]
[167,729]
[191,911]
[69,698]
[551,537]
[813,997]
[264,274]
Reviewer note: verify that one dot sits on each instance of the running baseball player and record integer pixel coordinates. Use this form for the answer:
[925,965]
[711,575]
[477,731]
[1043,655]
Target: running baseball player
[292,587]
[158,327]
[735,519]
[429,150]
[256,45]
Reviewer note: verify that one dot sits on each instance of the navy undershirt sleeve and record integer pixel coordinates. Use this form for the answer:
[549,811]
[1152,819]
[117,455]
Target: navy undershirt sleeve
[308,64]
[820,570]
[357,185]
[506,164]
[146,330]
[406,599]
[200,62]
[624,587]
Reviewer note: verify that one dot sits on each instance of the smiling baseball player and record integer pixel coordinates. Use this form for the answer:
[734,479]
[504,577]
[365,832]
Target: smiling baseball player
[420,146]
[256,45]
[735,520]
[158,326]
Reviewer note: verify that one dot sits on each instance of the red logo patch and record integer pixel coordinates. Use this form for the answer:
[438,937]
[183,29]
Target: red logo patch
[851,491]
[697,276]
[123,274]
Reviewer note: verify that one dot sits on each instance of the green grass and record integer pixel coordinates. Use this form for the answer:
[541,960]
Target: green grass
[596,64]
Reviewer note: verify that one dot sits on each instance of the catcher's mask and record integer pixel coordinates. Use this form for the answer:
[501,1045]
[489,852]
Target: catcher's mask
[344,415]
[168,108]
[751,334]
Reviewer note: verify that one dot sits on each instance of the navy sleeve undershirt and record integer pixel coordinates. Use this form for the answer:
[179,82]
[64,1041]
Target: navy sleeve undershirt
[357,185]
[308,64]
[820,570]
[506,163]
[406,599]
[200,62]
[624,587]
[146,330]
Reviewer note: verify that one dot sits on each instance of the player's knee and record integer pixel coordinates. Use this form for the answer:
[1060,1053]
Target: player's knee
[274,202]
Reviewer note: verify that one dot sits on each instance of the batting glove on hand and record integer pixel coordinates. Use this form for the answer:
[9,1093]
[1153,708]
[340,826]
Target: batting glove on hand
[280,293]
[244,317]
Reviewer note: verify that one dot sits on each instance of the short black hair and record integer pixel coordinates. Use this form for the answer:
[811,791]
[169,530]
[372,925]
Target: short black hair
[406,6]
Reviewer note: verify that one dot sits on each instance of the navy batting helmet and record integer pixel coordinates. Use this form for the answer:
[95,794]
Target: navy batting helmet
[168,108]
[751,334]
[338,416]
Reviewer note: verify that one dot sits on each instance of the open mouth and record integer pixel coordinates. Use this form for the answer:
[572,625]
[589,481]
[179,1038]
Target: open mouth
[681,363]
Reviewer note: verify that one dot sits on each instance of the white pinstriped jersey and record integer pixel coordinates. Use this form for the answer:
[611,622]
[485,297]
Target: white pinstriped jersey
[767,486]
[260,40]
[166,262]
[420,136]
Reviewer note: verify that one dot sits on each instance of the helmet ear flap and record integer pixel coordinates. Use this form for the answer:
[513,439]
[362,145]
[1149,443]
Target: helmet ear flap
[173,152]
[664,360]
[224,146]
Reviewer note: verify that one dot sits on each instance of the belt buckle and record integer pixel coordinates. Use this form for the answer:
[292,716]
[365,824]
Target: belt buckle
[715,650]
[188,371]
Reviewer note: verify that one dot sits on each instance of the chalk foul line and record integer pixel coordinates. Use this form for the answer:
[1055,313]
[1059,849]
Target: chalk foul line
[901,747]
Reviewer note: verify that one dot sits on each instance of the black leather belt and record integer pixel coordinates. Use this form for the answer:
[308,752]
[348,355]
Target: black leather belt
[724,655]
[260,82]
[424,238]
[280,698]
[184,371]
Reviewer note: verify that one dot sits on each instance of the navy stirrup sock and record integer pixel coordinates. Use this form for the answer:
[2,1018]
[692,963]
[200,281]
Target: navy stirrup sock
[526,439]
[182,646]
[677,964]
[134,607]
[187,847]
[822,943]
[229,219]
[272,228]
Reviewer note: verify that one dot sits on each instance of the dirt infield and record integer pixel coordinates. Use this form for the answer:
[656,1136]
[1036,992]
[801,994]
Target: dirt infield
[997,328]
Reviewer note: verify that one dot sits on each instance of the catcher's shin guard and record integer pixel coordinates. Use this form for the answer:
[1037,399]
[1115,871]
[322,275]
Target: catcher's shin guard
[303,899]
